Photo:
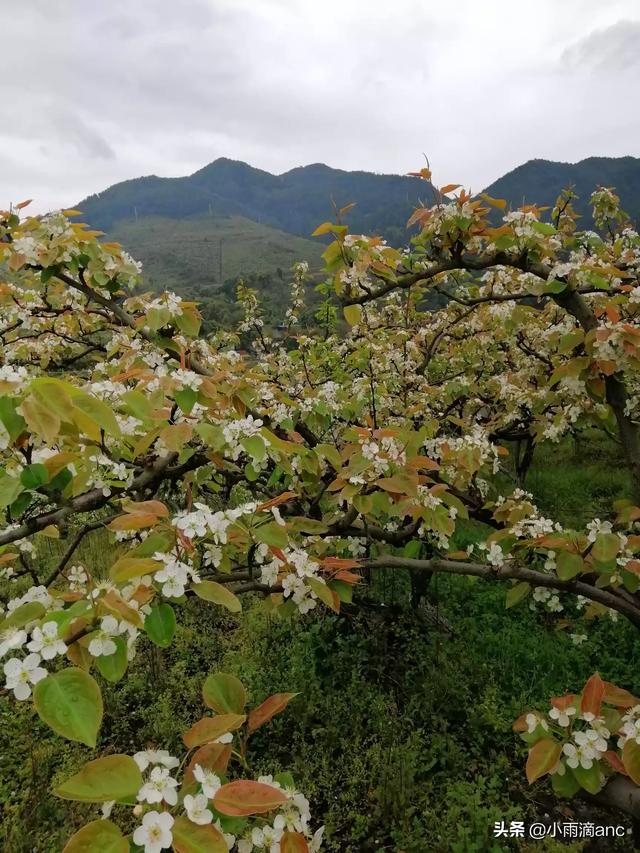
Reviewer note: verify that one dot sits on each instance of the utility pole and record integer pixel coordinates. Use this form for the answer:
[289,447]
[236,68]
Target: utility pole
[220,262]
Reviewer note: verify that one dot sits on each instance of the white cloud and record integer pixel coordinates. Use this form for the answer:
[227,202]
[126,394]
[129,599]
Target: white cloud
[98,93]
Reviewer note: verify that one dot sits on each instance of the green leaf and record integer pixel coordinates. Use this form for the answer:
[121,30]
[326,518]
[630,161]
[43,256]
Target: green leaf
[13,422]
[41,419]
[218,594]
[127,568]
[70,703]
[34,476]
[412,549]
[10,488]
[224,693]
[631,759]
[568,565]
[517,593]
[353,314]
[588,779]
[189,837]
[212,435]
[113,667]
[186,398]
[100,836]
[160,624]
[555,286]
[114,777]
[98,411]
[154,542]
[544,228]
[189,323]
[343,589]
[566,785]
[285,780]
[255,447]
[325,594]
[22,615]
[251,473]
[272,534]
[606,547]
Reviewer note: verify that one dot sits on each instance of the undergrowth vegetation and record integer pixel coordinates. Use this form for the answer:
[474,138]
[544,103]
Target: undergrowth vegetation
[401,732]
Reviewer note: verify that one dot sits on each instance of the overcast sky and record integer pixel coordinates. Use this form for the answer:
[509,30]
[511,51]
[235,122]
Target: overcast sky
[97,92]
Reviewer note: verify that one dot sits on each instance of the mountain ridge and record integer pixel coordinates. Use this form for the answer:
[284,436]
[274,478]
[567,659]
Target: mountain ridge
[297,200]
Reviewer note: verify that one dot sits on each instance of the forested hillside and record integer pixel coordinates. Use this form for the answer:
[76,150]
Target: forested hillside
[225,221]
[295,201]
[541,181]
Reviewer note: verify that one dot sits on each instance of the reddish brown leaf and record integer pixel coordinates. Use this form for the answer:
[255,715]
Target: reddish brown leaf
[212,756]
[211,728]
[592,695]
[618,697]
[293,842]
[244,797]
[281,499]
[614,761]
[269,708]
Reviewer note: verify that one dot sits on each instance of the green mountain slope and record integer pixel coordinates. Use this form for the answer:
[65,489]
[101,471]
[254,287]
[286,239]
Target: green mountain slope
[228,219]
[296,201]
[541,181]
[200,253]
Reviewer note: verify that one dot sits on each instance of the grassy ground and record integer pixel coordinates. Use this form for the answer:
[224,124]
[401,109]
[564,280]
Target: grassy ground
[401,736]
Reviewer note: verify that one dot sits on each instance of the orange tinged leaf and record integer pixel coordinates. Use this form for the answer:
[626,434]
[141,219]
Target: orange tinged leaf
[613,760]
[7,558]
[592,695]
[402,483]
[618,697]
[612,313]
[212,756]
[520,725]
[494,202]
[543,757]
[281,499]
[347,577]
[340,563]
[563,702]
[155,507]
[275,704]
[449,188]
[112,602]
[189,837]
[244,797]
[421,214]
[423,173]
[631,759]
[211,728]
[293,842]
[133,521]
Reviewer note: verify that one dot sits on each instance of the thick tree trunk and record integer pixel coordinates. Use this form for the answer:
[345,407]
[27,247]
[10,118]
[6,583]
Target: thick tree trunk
[627,430]
[621,793]
[524,459]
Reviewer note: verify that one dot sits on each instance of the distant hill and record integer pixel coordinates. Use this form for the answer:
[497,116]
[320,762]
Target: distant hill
[296,201]
[228,219]
[541,181]
[200,252]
